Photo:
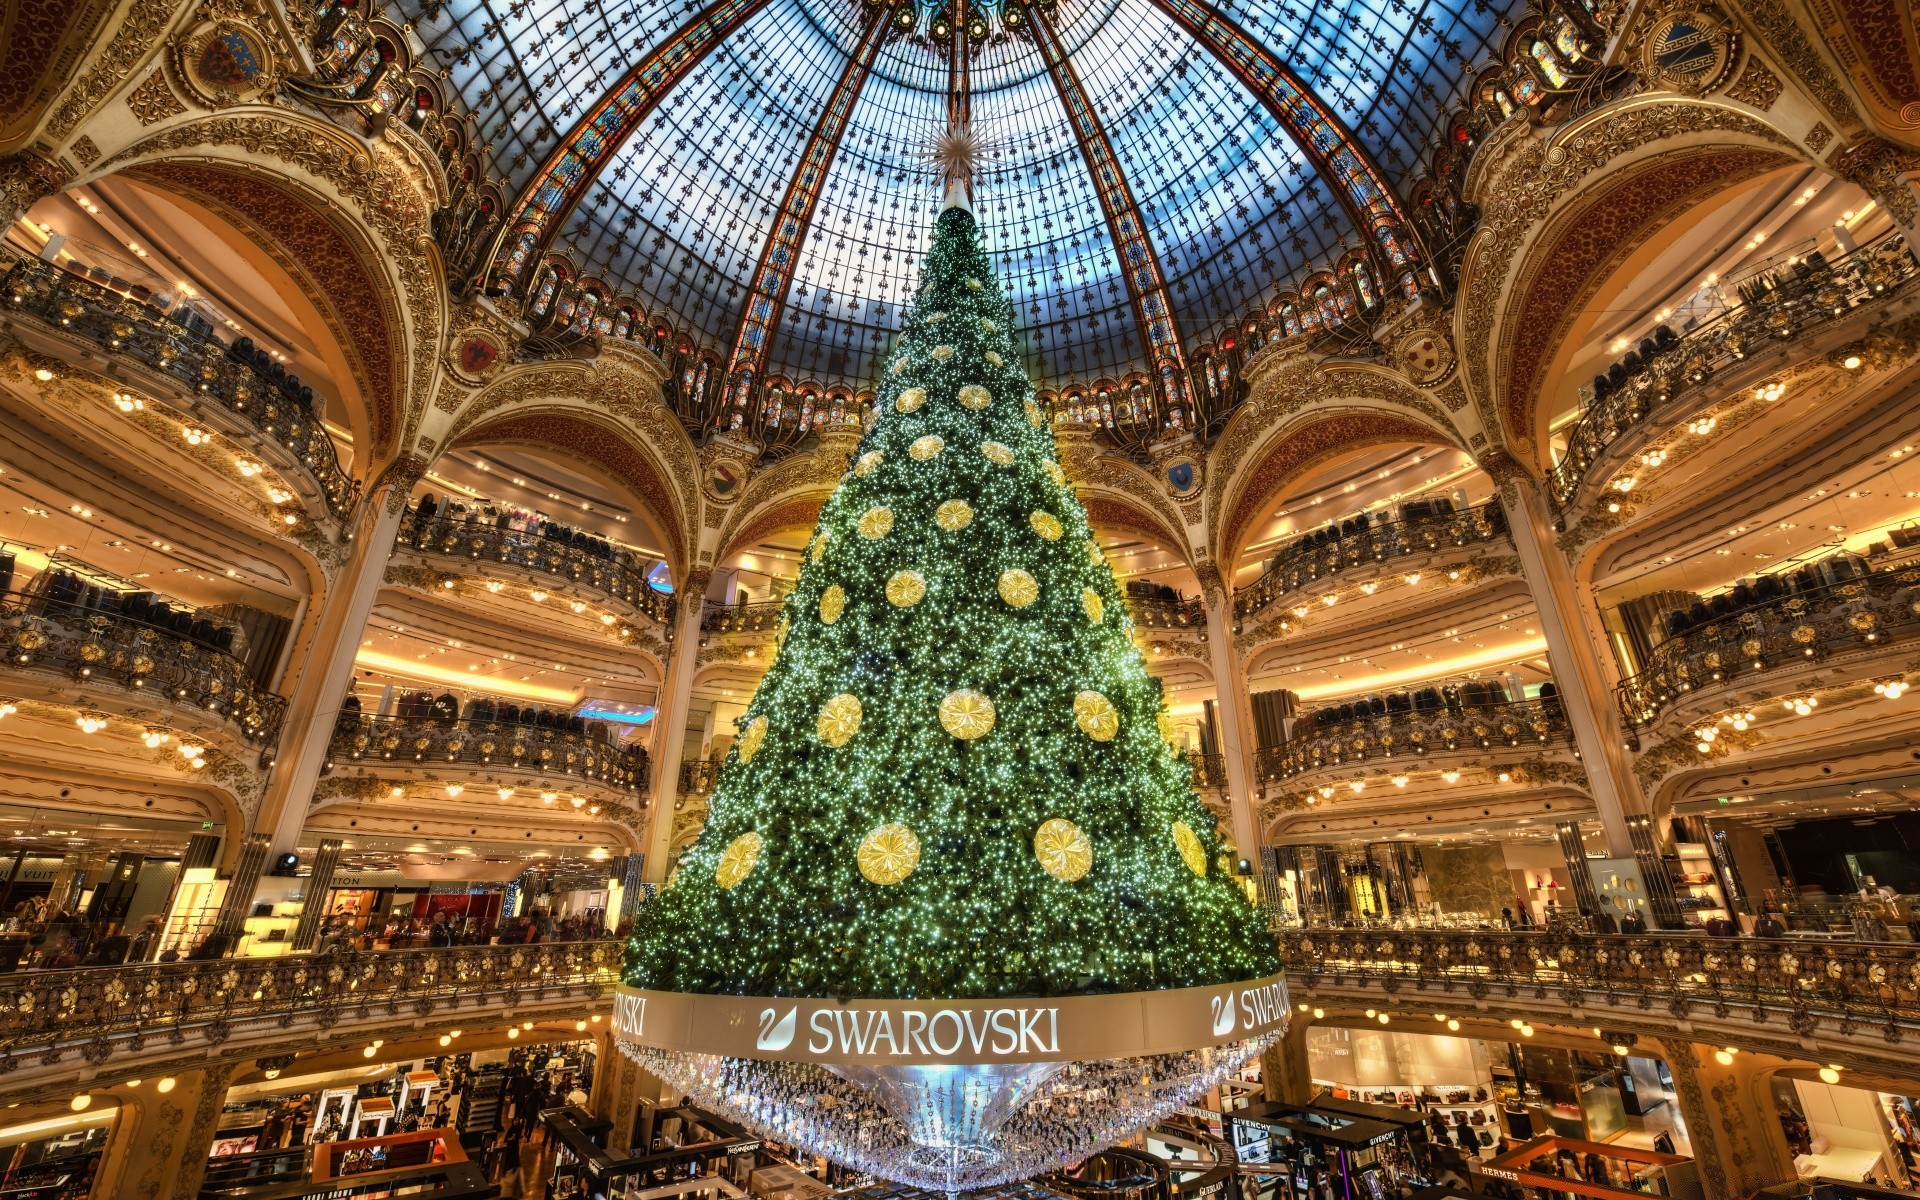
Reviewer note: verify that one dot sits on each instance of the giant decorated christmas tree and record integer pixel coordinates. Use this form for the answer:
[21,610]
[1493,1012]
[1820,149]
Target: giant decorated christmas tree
[953,784]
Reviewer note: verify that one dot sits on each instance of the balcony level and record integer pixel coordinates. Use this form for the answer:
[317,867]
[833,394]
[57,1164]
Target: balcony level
[491,744]
[1850,1003]
[134,658]
[1782,642]
[67,1028]
[1818,306]
[1330,559]
[135,340]
[592,572]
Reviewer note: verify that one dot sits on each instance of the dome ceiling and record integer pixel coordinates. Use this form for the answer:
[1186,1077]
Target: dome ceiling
[679,214]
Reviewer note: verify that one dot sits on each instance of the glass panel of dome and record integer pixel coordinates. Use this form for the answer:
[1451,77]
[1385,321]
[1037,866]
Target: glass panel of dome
[1389,68]
[683,209]
[859,263]
[528,70]
[1230,203]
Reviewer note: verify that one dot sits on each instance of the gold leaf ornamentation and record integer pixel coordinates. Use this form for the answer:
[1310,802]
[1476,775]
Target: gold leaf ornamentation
[888,853]
[839,719]
[738,860]
[1018,588]
[967,714]
[1064,850]
[1096,716]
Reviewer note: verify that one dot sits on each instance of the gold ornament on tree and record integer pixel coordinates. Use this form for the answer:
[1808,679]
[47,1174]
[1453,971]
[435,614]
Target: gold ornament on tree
[1064,850]
[1035,417]
[737,860]
[1018,588]
[1164,720]
[819,545]
[910,400]
[1054,472]
[1191,851]
[942,353]
[888,853]
[967,714]
[906,588]
[974,285]
[1096,716]
[833,602]
[924,448]
[1096,607]
[867,462]
[997,453]
[993,356]
[953,514]
[1046,525]
[975,397]
[876,523]
[751,737]
[1094,555]
[839,719]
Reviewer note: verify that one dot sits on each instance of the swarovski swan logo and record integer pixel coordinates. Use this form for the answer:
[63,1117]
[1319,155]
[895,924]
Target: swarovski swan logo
[1224,1015]
[776,1034]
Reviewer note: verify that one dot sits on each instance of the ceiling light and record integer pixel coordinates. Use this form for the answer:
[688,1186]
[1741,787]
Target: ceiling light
[1830,1074]
[537,595]
[165,1085]
[90,722]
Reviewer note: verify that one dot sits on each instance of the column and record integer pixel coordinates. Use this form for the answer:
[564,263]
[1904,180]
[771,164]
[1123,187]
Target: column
[321,669]
[1575,853]
[313,908]
[1284,1073]
[1579,671]
[1233,716]
[160,1140]
[238,901]
[1731,1122]
[671,721]
[1661,898]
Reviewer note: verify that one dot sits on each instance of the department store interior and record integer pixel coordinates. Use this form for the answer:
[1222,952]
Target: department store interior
[418,420]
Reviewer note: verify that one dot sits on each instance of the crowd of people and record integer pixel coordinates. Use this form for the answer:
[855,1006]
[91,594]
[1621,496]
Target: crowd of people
[341,932]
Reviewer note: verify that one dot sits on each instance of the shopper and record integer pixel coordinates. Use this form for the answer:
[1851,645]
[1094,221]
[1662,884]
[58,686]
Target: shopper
[143,942]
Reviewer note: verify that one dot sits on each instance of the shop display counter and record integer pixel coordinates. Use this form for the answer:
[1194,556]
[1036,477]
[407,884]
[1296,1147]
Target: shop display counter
[1597,1169]
[429,1162]
[1117,1173]
[1315,1154]
[704,1147]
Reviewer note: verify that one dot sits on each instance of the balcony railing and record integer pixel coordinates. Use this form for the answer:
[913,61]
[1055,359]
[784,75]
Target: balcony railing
[1398,737]
[1183,612]
[1209,770]
[90,646]
[1869,982]
[1794,304]
[370,738]
[698,776]
[101,1006]
[132,328]
[624,580]
[763,617]
[1803,626]
[1302,565]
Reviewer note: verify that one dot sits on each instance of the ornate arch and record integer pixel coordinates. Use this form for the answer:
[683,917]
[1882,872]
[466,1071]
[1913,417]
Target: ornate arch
[604,442]
[348,220]
[1520,180]
[799,511]
[1110,510]
[1582,246]
[1296,447]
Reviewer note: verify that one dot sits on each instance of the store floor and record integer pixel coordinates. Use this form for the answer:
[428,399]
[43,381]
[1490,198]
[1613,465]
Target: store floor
[1641,1131]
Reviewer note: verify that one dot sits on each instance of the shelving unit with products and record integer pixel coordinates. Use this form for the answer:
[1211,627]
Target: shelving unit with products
[1696,884]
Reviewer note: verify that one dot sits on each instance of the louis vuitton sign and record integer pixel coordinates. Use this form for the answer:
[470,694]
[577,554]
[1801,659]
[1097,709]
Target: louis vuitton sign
[950,1032]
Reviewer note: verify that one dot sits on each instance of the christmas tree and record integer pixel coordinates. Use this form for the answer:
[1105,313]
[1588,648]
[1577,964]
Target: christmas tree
[954,780]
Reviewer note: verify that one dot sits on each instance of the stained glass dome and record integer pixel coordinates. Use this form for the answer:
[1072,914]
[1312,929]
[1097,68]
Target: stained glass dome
[678,213]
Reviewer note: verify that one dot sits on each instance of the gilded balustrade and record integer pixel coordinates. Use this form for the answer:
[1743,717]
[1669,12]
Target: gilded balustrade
[619,578]
[1404,736]
[373,739]
[127,326]
[104,1010]
[1299,566]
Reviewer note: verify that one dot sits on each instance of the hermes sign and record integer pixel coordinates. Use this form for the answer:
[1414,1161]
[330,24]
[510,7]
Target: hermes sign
[947,1032]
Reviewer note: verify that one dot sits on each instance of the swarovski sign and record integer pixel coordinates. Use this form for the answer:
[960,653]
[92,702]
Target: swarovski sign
[950,1032]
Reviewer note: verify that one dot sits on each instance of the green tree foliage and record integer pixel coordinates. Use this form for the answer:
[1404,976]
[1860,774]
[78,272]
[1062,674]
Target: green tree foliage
[1061,850]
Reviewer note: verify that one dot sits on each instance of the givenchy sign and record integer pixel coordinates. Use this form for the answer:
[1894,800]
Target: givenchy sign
[950,1032]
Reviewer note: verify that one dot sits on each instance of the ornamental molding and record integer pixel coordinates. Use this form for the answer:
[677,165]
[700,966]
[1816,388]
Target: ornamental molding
[1519,188]
[138,38]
